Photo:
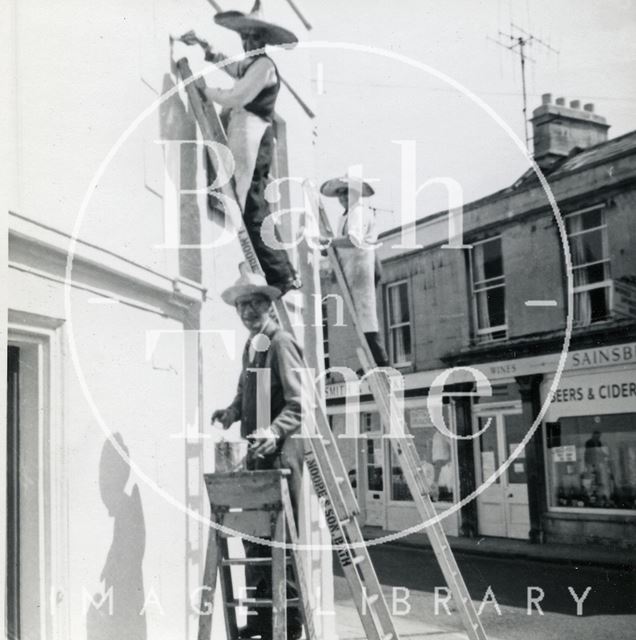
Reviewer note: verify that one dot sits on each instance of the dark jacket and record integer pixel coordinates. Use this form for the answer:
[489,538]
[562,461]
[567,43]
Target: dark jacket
[281,358]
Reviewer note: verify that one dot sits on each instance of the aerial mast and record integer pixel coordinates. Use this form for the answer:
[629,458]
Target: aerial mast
[517,43]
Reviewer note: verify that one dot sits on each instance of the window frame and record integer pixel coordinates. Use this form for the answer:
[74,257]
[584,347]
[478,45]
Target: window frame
[390,327]
[40,342]
[607,282]
[487,335]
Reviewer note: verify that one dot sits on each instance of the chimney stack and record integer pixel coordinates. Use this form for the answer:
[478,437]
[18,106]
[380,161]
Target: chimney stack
[558,129]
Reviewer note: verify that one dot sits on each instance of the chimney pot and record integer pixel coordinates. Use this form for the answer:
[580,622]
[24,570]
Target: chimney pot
[557,131]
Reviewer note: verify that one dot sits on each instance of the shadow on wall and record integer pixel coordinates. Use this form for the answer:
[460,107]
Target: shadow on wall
[117,614]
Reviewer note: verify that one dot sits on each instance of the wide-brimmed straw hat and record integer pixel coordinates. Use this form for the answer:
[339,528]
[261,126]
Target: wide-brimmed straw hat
[332,188]
[247,285]
[273,34]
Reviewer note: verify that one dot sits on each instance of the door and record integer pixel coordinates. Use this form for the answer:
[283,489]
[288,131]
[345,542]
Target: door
[374,498]
[502,507]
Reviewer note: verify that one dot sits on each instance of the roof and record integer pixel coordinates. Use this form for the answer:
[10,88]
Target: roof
[584,158]
[577,160]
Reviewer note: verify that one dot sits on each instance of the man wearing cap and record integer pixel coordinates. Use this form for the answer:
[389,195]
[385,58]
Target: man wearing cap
[355,244]
[276,351]
[249,109]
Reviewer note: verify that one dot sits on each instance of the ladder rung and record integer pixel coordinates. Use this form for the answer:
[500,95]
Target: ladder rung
[358,559]
[241,561]
[260,602]
[372,599]
[339,479]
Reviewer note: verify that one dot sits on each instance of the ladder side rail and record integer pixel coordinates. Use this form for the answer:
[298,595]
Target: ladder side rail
[404,450]
[212,565]
[345,505]
[297,562]
[212,129]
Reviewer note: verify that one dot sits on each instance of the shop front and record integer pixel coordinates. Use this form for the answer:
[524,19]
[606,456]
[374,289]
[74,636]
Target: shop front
[573,482]
[378,480]
[590,453]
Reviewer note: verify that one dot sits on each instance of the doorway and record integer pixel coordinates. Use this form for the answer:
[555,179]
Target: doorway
[502,508]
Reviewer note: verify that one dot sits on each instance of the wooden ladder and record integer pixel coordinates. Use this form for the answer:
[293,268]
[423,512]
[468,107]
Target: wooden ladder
[327,471]
[252,504]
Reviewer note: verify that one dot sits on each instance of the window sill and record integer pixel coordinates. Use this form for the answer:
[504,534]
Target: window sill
[601,515]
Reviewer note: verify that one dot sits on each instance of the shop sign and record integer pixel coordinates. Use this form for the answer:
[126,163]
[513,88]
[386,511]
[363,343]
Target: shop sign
[611,392]
[601,356]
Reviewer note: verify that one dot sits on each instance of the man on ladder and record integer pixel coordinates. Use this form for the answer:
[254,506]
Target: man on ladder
[356,249]
[248,112]
[268,347]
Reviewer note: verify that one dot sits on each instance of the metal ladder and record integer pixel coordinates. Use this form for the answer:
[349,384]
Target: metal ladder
[392,417]
[326,469]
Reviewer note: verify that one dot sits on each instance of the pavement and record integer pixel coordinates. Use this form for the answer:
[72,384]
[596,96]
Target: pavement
[589,554]
[349,627]
[348,623]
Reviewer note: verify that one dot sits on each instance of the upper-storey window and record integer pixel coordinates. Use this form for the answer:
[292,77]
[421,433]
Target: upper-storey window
[399,323]
[489,290]
[592,284]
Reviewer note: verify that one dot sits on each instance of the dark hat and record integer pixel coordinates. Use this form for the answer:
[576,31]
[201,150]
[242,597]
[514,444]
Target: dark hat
[331,188]
[237,21]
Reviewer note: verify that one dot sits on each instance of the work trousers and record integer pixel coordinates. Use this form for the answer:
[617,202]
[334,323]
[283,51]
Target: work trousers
[258,578]
[377,349]
[275,262]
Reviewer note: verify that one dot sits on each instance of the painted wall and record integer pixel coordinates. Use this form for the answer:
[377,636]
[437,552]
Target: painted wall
[78,91]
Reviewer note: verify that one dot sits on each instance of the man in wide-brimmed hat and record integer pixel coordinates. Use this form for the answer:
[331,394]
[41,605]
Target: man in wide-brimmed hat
[355,244]
[249,110]
[268,347]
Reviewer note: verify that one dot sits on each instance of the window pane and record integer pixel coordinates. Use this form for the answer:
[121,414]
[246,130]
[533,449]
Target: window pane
[401,344]
[591,306]
[489,456]
[588,247]
[589,275]
[398,304]
[374,465]
[592,461]
[591,219]
[436,453]
[491,310]
[493,263]
[404,303]
[599,299]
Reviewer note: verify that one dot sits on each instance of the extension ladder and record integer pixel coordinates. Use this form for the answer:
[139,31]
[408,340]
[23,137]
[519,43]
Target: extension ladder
[392,417]
[255,504]
[326,469]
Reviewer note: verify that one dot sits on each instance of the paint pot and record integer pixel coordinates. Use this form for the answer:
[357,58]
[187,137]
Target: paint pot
[230,456]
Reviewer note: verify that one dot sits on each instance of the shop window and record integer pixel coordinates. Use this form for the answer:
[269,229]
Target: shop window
[399,323]
[592,461]
[436,451]
[489,290]
[592,284]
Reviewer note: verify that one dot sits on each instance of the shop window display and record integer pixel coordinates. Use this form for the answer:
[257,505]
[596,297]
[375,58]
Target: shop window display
[436,453]
[592,461]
